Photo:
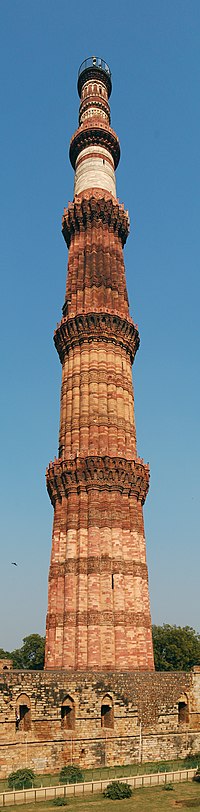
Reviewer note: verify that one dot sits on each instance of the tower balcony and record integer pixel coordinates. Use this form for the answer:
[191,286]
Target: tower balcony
[94,67]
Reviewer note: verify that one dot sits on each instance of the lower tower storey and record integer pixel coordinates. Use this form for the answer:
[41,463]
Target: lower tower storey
[99,616]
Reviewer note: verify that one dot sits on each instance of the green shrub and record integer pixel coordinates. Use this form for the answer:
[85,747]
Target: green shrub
[191,761]
[60,801]
[117,790]
[21,779]
[168,786]
[197,776]
[71,775]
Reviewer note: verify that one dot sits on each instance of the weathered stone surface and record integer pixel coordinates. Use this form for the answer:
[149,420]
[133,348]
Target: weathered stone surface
[98,602]
[6,664]
[145,722]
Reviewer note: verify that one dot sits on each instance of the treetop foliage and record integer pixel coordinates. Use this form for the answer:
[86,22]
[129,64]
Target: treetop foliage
[4,655]
[176,648]
[30,656]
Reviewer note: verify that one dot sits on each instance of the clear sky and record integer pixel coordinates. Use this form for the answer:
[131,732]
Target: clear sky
[152,47]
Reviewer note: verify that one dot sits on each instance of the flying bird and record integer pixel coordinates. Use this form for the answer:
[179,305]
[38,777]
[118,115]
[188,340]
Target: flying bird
[14,563]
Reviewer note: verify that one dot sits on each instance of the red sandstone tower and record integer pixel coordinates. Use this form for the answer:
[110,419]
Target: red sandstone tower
[98,604]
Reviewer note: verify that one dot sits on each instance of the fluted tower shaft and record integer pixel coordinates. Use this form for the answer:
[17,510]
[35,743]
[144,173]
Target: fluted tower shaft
[98,604]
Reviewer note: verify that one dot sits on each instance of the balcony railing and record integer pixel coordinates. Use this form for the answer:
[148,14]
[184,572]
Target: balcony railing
[94,62]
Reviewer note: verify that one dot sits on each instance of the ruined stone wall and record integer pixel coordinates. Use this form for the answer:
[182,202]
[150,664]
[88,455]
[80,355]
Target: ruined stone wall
[96,719]
[6,664]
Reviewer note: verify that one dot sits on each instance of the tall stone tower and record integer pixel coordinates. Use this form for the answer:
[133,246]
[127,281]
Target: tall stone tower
[98,603]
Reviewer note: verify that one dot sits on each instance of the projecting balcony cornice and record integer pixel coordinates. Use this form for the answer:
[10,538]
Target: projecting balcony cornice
[107,473]
[93,134]
[97,327]
[85,211]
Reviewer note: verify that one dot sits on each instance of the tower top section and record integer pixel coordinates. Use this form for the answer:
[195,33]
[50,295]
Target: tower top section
[94,67]
[94,148]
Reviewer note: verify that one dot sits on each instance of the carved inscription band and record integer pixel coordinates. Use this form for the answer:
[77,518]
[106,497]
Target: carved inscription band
[113,473]
[97,618]
[92,564]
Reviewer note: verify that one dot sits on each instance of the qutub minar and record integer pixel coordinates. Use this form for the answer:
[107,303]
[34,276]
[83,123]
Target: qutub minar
[98,700]
[98,604]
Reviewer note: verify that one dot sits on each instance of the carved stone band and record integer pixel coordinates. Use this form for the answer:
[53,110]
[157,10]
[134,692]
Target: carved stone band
[94,617]
[85,211]
[99,327]
[104,564]
[110,473]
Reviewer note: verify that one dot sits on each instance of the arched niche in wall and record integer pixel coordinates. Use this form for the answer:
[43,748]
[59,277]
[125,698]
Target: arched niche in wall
[23,712]
[68,713]
[183,709]
[107,712]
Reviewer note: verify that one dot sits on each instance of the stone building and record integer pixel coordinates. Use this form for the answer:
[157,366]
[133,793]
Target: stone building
[52,718]
[98,701]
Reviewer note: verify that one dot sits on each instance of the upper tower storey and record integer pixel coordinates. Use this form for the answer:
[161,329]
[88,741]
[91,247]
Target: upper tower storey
[94,147]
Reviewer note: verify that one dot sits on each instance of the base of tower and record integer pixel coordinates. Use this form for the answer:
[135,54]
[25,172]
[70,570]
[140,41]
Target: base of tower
[51,718]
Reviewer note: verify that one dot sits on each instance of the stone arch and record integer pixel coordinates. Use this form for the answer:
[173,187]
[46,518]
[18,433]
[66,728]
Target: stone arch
[6,664]
[183,709]
[107,712]
[68,713]
[23,712]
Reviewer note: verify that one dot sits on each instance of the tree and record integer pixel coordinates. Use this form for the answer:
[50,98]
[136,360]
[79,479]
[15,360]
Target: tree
[175,648]
[5,655]
[31,655]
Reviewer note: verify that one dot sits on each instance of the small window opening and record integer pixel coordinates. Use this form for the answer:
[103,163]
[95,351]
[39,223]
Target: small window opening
[112,581]
[23,713]
[68,714]
[107,715]
[23,718]
[103,161]
[182,712]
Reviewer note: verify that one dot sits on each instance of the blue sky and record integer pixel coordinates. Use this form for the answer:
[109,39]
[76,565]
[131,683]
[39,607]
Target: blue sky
[152,48]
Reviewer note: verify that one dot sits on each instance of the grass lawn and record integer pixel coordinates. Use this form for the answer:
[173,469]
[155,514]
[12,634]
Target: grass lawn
[183,796]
